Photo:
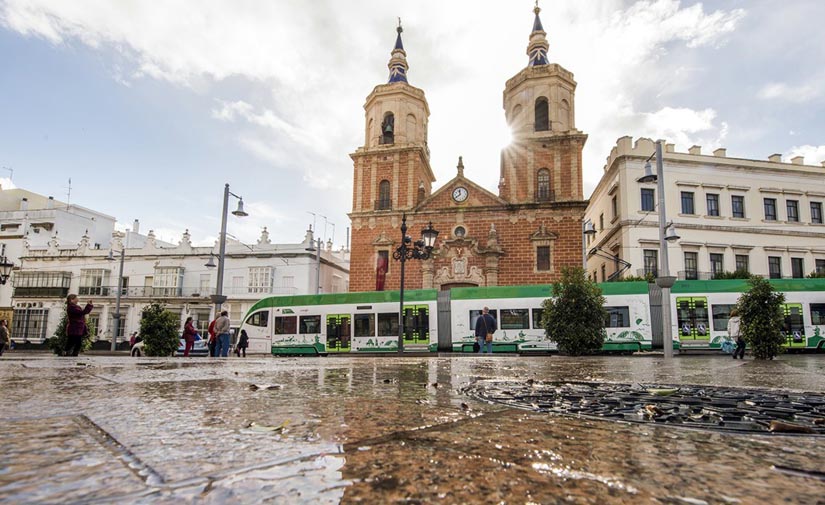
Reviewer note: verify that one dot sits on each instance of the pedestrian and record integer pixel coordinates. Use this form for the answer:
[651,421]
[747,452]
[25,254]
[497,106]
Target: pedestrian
[188,336]
[76,327]
[243,343]
[485,328]
[132,339]
[213,341]
[222,335]
[5,340]
[735,333]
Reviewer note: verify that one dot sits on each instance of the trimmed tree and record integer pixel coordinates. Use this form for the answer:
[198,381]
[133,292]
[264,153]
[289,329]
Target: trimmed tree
[57,342]
[574,317]
[159,329]
[761,318]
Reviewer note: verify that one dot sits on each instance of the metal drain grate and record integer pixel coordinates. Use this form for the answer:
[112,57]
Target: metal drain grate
[703,407]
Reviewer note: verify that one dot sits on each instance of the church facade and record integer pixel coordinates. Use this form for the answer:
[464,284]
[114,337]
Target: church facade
[523,234]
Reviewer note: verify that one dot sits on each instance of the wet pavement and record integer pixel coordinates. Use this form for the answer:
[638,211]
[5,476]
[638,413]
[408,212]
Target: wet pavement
[380,430]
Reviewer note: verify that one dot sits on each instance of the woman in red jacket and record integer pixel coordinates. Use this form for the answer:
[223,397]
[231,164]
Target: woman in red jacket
[189,336]
[76,325]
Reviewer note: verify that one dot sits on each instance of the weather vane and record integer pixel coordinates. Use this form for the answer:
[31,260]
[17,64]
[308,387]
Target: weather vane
[399,25]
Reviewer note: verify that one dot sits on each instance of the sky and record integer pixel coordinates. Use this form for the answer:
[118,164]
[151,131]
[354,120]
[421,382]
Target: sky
[151,107]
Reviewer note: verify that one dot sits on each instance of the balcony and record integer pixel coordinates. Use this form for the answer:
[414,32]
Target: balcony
[40,292]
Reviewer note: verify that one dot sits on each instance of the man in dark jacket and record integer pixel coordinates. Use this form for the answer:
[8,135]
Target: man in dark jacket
[485,324]
[75,325]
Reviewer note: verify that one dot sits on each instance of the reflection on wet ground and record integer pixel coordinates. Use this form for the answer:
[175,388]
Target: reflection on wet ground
[378,430]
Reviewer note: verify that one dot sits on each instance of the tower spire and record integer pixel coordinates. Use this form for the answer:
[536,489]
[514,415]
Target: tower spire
[538,46]
[398,59]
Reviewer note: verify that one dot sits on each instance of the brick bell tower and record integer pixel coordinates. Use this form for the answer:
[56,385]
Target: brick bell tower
[544,161]
[391,173]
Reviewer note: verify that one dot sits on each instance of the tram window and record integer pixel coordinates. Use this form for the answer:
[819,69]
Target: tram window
[364,325]
[475,314]
[260,318]
[388,324]
[514,319]
[617,317]
[537,313]
[310,324]
[818,314]
[286,325]
[721,314]
[793,318]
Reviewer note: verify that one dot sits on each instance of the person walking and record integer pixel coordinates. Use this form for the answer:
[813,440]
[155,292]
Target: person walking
[188,336]
[485,328]
[5,340]
[243,343]
[213,339]
[222,335]
[735,333]
[76,327]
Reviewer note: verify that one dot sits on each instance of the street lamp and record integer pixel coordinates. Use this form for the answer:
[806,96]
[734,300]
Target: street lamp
[116,315]
[666,234]
[218,297]
[5,269]
[419,250]
[587,230]
[315,246]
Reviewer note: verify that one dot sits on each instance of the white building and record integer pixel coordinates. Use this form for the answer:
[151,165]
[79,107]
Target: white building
[33,218]
[761,216]
[174,274]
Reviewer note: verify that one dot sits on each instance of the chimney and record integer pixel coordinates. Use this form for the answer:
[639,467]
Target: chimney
[721,152]
[776,158]
[695,150]
[24,204]
[136,226]
[670,148]
[798,160]
[50,203]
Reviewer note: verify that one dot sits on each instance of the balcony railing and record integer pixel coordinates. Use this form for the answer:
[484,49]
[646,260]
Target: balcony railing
[173,292]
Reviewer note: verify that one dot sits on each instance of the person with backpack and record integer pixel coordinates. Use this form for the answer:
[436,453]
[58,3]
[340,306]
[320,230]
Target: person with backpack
[485,328]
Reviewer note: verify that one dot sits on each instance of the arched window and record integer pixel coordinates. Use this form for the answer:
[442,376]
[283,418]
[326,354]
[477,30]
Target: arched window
[388,129]
[542,115]
[383,195]
[543,193]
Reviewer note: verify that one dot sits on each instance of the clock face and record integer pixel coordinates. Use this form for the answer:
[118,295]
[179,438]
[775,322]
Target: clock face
[460,194]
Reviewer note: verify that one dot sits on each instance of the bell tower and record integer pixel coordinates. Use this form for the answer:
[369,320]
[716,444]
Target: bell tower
[392,169]
[543,164]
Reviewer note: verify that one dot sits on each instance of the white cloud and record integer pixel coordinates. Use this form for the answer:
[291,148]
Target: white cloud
[813,154]
[793,93]
[6,183]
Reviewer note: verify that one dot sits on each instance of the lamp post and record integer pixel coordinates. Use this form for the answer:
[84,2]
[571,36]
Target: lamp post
[316,248]
[218,297]
[666,234]
[6,267]
[587,230]
[419,250]
[116,315]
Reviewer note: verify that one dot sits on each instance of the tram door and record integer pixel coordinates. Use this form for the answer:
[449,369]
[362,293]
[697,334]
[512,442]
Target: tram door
[416,324]
[339,335]
[793,327]
[692,312]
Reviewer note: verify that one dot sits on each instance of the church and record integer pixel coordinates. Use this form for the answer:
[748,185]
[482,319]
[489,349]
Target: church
[523,234]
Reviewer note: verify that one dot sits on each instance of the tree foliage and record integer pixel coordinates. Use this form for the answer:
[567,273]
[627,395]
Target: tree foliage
[57,342]
[574,317]
[159,329]
[736,274]
[761,318]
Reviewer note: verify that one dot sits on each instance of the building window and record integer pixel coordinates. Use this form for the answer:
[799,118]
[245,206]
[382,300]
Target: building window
[382,265]
[543,258]
[543,190]
[29,325]
[737,203]
[94,282]
[614,203]
[42,284]
[648,198]
[687,202]
[260,280]
[167,281]
[383,195]
[820,266]
[797,268]
[713,204]
[742,263]
[601,222]
[691,272]
[203,287]
[775,267]
[542,116]
[651,262]
[816,212]
[716,264]
[604,272]
[770,209]
[793,210]
[388,129]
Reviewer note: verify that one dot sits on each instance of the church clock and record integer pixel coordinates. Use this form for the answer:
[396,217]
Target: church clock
[460,194]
